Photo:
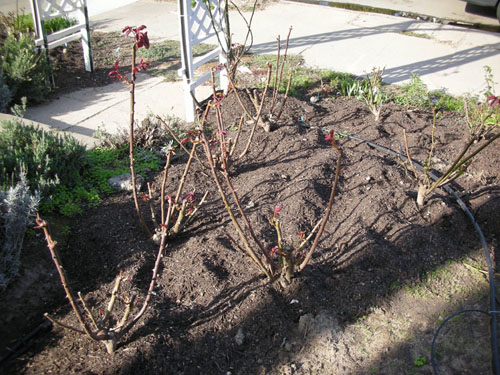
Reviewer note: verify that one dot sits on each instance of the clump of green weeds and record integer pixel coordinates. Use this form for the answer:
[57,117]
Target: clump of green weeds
[413,94]
[343,84]
[416,94]
[442,101]
[101,164]
[420,361]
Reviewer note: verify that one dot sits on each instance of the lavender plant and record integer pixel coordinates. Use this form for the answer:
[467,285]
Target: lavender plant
[17,209]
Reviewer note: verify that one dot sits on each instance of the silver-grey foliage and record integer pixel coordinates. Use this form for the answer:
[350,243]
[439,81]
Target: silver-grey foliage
[17,209]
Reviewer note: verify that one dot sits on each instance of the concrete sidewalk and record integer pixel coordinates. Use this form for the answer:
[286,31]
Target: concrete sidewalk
[446,57]
[456,10]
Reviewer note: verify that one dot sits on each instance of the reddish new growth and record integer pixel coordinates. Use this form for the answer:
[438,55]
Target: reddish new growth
[493,100]
[144,197]
[190,197]
[277,210]
[116,75]
[141,66]
[217,99]
[140,38]
[329,137]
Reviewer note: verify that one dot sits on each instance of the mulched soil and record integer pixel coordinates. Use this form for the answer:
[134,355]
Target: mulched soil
[214,313]
[69,70]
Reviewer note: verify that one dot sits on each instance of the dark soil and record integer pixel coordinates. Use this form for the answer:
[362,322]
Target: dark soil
[383,278]
[69,70]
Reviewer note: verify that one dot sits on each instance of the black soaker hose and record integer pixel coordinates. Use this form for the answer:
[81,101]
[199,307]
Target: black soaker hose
[493,313]
[46,325]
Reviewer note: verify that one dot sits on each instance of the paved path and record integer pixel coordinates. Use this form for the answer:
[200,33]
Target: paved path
[449,58]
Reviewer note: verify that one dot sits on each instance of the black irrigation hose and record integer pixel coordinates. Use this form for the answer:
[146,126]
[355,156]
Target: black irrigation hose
[14,351]
[493,313]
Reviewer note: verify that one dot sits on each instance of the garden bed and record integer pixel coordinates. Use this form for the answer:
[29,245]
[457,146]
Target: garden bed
[385,274]
[383,278]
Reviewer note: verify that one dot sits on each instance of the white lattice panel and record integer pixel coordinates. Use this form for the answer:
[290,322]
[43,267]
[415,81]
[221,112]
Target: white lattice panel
[200,23]
[44,10]
[55,8]
[196,26]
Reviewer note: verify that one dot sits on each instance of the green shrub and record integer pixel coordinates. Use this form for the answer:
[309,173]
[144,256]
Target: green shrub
[101,164]
[47,158]
[71,201]
[21,23]
[24,68]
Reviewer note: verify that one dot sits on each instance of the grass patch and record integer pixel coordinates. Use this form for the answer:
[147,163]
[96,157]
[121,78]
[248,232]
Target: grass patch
[164,57]
[305,80]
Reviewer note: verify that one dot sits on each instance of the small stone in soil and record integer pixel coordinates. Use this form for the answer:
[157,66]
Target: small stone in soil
[240,337]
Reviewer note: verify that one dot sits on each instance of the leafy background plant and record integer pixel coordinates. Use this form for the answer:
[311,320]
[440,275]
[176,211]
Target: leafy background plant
[48,159]
[24,68]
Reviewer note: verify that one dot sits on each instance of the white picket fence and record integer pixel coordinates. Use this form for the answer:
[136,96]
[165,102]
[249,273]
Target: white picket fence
[44,10]
[196,26]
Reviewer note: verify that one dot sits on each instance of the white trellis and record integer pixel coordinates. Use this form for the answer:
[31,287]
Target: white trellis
[44,10]
[196,26]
